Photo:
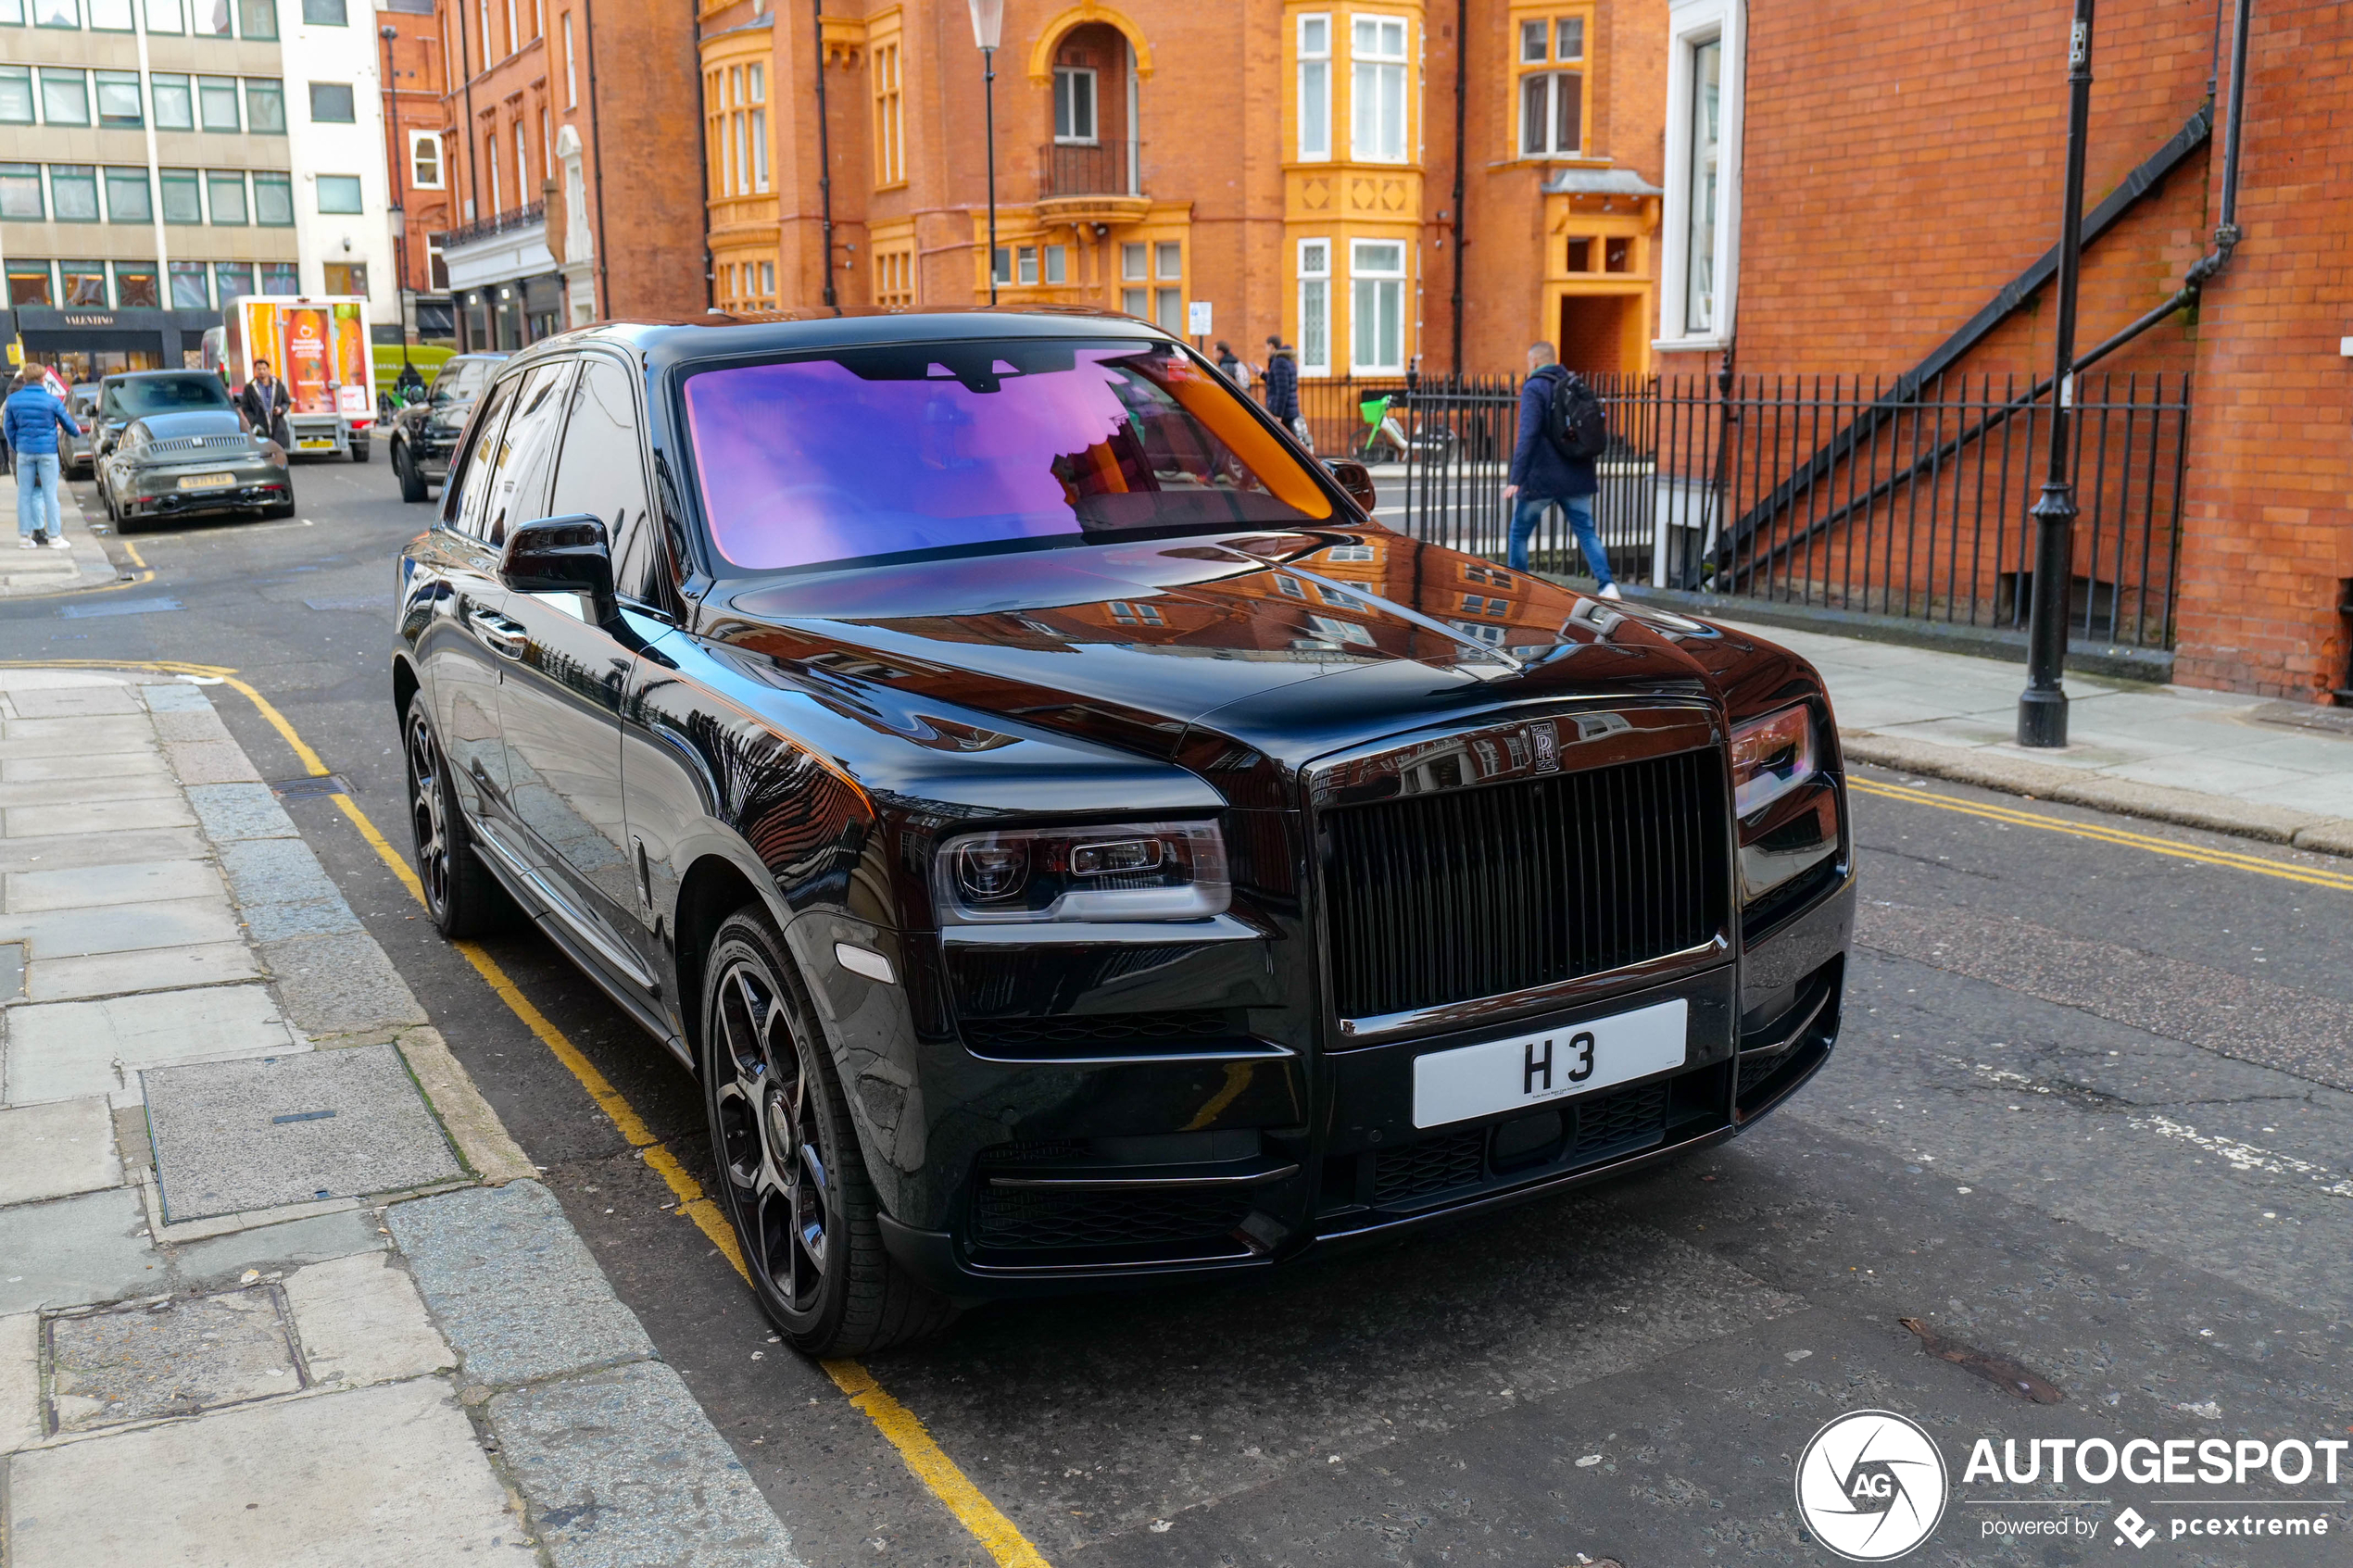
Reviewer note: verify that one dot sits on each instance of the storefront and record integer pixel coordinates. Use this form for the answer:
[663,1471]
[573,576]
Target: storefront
[509,315]
[87,343]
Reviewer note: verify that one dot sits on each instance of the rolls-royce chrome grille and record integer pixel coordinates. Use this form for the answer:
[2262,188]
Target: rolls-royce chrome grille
[1461,894]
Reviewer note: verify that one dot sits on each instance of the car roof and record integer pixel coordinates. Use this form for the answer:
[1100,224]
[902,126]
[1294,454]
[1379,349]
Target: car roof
[717,335]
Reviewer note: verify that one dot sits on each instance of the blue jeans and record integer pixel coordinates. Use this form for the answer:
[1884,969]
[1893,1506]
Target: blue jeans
[1530,510]
[37,495]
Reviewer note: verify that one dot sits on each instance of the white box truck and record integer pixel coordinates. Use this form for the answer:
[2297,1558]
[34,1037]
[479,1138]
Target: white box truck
[316,344]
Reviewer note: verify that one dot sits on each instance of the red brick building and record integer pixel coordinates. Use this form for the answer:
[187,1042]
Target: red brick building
[573,163]
[1852,186]
[416,136]
[1299,168]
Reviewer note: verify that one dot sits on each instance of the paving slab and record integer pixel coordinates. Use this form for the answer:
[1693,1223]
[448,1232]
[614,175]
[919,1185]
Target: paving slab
[72,768]
[277,1248]
[57,1150]
[75,1250]
[383,1477]
[360,1320]
[149,783]
[58,1050]
[191,723]
[340,985]
[174,697]
[513,1285]
[149,969]
[125,928]
[53,678]
[232,812]
[66,851]
[270,870]
[105,816]
[208,761]
[621,1468]
[74,702]
[65,736]
[20,1382]
[232,1136]
[178,1355]
[95,887]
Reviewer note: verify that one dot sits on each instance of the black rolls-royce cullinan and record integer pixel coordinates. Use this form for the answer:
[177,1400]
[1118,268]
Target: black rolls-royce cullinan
[1071,841]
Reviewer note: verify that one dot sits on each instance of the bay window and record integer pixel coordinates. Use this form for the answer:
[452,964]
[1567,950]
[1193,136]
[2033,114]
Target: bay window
[1376,89]
[1315,88]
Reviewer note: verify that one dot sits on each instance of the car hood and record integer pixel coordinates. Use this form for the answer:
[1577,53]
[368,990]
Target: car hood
[1285,645]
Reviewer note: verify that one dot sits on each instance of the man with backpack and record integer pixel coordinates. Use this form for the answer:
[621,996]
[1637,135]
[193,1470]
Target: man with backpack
[1563,429]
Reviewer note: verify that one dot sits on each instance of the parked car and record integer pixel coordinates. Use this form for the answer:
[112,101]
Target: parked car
[78,452]
[424,435]
[199,464]
[132,395]
[1073,844]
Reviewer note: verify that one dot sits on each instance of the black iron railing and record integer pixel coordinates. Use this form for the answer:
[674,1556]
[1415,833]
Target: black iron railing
[498,223]
[1850,495]
[1069,169]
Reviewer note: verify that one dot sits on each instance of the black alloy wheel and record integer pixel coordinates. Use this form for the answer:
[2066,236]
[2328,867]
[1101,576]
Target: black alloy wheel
[462,897]
[790,1168]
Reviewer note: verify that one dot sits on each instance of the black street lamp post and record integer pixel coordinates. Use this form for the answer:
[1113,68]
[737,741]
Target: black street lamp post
[989,30]
[2041,707]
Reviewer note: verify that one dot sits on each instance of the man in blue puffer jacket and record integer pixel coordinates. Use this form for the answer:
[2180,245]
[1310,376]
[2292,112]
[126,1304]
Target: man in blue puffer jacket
[29,423]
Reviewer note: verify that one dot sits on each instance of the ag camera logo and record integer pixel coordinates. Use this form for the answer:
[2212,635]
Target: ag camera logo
[1871,1485]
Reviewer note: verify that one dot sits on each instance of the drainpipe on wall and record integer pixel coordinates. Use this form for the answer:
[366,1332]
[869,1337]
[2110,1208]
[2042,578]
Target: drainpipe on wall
[1462,87]
[825,155]
[596,140]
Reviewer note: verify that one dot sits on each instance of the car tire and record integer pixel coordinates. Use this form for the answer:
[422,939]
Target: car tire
[283,509]
[360,449]
[460,894]
[789,1163]
[404,468]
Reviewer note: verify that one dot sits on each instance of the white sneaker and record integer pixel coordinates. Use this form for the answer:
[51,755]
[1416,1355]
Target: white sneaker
[27,542]
[60,542]
[1609,591]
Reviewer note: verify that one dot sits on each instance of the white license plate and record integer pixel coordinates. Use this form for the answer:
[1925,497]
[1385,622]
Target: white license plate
[317,443]
[1528,1070]
[207,481]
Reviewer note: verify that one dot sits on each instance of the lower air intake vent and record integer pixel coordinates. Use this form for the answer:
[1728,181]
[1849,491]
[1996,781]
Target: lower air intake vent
[1044,1221]
[1121,1034]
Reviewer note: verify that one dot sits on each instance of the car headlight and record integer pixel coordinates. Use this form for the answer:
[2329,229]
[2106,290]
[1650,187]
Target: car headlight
[1772,755]
[1126,871]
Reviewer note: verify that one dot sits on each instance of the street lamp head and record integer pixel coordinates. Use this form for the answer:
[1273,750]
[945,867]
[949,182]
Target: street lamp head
[989,22]
[388,33]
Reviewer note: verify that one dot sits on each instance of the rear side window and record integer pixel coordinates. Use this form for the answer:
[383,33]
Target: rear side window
[459,381]
[601,473]
[468,492]
[520,476]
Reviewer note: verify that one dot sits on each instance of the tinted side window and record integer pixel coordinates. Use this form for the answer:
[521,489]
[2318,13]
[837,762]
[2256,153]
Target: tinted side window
[601,471]
[468,493]
[520,477]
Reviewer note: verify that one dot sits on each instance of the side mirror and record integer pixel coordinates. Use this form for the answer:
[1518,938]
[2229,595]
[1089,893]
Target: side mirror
[562,555]
[1357,480]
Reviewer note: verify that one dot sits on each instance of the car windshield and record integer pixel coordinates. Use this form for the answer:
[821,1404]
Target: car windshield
[937,449]
[460,383]
[166,395]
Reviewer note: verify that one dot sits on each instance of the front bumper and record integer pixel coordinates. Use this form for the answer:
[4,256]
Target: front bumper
[1759,1028]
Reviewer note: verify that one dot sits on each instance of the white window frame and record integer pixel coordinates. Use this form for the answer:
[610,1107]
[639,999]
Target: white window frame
[1365,142]
[1066,107]
[1358,274]
[572,75]
[1552,79]
[1689,25]
[1315,110]
[1317,314]
[440,177]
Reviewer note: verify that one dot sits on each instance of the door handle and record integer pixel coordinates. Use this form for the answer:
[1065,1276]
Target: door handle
[506,638]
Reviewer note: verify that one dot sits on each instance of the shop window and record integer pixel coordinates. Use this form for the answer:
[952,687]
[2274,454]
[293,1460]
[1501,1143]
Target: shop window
[82,284]
[28,281]
[136,286]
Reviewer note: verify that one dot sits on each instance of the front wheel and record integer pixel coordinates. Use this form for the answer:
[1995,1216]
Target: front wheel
[404,468]
[461,895]
[793,1177]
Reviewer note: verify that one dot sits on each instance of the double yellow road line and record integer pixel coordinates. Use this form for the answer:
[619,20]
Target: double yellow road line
[924,1457]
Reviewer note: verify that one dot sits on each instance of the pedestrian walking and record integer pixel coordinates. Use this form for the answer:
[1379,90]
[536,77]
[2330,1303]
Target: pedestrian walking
[1562,430]
[28,422]
[1282,390]
[1233,366]
[264,404]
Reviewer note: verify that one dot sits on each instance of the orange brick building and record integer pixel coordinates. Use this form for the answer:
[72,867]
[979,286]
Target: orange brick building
[415,137]
[1851,183]
[573,162]
[1307,168]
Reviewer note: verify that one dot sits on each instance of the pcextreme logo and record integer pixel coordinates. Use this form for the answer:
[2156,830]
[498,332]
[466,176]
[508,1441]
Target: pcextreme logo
[1871,1485]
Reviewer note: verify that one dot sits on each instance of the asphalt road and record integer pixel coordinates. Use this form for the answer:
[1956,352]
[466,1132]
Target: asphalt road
[2092,1116]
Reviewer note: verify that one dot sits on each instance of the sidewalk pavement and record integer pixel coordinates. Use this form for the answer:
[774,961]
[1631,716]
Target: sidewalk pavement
[2276,770]
[48,571]
[276,1287]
